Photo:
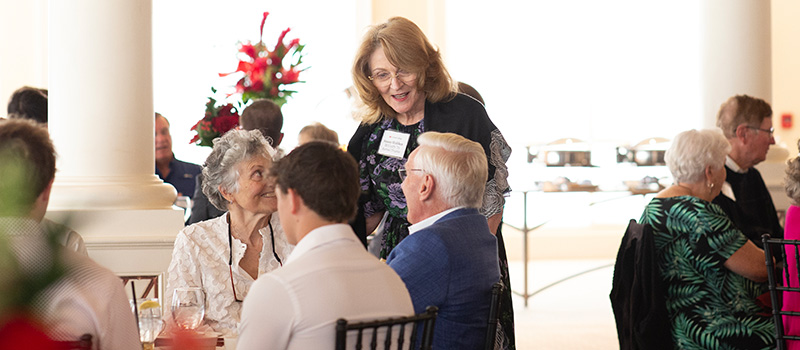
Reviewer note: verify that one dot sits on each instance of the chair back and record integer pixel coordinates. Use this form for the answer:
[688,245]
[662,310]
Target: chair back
[83,343]
[426,320]
[789,287]
[494,315]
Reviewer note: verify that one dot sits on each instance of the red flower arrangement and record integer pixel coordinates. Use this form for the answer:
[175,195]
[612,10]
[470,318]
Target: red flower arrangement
[217,121]
[265,75]
[265,72]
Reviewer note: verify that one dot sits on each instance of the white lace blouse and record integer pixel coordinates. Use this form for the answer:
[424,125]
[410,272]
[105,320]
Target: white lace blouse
[200,259]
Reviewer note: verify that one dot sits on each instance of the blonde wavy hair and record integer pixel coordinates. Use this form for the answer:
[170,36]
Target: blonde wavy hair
[407,48]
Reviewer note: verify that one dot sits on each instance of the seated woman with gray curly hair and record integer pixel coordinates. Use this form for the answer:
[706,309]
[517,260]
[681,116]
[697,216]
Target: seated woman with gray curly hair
[225,255]
[712,273]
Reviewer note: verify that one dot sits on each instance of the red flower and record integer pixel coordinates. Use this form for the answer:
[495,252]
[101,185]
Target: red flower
[223,123]
[261,33]
[249,50]
[280,38]
[21,332]
[289,76]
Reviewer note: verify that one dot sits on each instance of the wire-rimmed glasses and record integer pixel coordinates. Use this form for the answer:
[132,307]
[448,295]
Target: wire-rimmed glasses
[769,131]
[403,172]
[384,78]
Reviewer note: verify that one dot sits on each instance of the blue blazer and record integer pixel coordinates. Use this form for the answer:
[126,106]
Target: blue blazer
[451,264]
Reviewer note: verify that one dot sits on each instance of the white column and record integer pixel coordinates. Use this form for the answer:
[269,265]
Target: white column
[737,59]
[102,124]
[736,52]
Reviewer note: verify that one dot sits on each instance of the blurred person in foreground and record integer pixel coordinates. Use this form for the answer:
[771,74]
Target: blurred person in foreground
[406,90]
[329,274]
[713,274]
[262,115]
[68,294]
[449,259]
[179,174]
[225,255]
[747,124]
[31,103]
[791,300]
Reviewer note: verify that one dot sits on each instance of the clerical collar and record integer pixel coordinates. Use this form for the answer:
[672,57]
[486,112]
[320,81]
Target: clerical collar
[731,164]
[430,221]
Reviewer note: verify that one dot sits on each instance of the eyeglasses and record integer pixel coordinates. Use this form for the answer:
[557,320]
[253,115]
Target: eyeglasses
[770,131]
[403,172]
[230,259]
[384,78]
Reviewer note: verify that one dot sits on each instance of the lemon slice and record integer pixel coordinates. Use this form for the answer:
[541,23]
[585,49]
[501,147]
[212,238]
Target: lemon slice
[148,304]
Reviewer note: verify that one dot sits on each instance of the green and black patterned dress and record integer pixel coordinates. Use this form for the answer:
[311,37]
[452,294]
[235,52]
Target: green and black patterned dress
[710,307]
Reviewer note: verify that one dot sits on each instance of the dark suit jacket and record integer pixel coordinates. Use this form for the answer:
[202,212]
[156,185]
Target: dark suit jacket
[451,264]
[202,209]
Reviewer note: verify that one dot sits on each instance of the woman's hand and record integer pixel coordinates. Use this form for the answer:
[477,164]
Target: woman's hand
[749,262]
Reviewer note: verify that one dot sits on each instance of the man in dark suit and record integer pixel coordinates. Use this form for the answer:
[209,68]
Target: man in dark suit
[449,259]
[747,123]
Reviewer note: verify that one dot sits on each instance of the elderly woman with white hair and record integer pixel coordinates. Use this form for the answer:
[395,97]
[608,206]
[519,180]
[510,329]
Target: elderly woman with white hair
[712,272]
[225,255]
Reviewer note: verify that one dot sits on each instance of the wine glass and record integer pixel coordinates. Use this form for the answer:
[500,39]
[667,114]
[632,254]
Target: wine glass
[150,322]
[188,307]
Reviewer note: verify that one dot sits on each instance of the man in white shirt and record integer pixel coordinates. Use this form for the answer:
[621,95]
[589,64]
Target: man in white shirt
[67,293]
[329,275]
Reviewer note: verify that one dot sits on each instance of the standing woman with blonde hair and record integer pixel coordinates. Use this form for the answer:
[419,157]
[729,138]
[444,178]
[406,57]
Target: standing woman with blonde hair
[406,90]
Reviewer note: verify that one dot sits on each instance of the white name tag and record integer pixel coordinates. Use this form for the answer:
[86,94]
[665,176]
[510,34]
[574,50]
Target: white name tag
[393,144]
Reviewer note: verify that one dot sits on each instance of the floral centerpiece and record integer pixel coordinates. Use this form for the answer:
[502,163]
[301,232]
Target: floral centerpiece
[267,72]
[265,75]
[217,121]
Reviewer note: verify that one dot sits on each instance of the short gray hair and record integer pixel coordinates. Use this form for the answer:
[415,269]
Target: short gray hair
[694,150]
[457,164]
[221,166]
[792,179]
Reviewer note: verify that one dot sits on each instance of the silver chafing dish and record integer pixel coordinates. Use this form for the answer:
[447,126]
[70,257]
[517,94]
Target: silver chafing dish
[563,152]
[648,152]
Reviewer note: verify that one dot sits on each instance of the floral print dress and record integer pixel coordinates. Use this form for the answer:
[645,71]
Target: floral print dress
[709,306]
[380,172]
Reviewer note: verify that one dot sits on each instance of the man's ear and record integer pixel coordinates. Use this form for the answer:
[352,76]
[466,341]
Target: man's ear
[294,201]
[427,187]
[741,131]
[45,195]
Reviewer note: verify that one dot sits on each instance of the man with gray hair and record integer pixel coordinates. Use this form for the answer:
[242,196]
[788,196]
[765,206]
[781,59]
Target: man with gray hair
[449,259]
[747,124]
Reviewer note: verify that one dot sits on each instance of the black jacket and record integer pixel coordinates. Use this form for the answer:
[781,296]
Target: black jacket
[637,293]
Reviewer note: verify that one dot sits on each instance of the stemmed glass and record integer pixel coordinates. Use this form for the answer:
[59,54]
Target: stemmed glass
[188,307]
[150,322]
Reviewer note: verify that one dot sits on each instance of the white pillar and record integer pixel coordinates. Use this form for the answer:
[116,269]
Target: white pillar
[736,53]
[102,125]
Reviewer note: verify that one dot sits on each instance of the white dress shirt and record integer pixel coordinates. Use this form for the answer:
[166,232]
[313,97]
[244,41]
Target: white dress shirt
[87,299]
[200,259]
[328,276]
[430,221]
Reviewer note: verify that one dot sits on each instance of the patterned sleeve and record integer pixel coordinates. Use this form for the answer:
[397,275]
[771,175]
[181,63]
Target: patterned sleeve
[723,237]
[497,187]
